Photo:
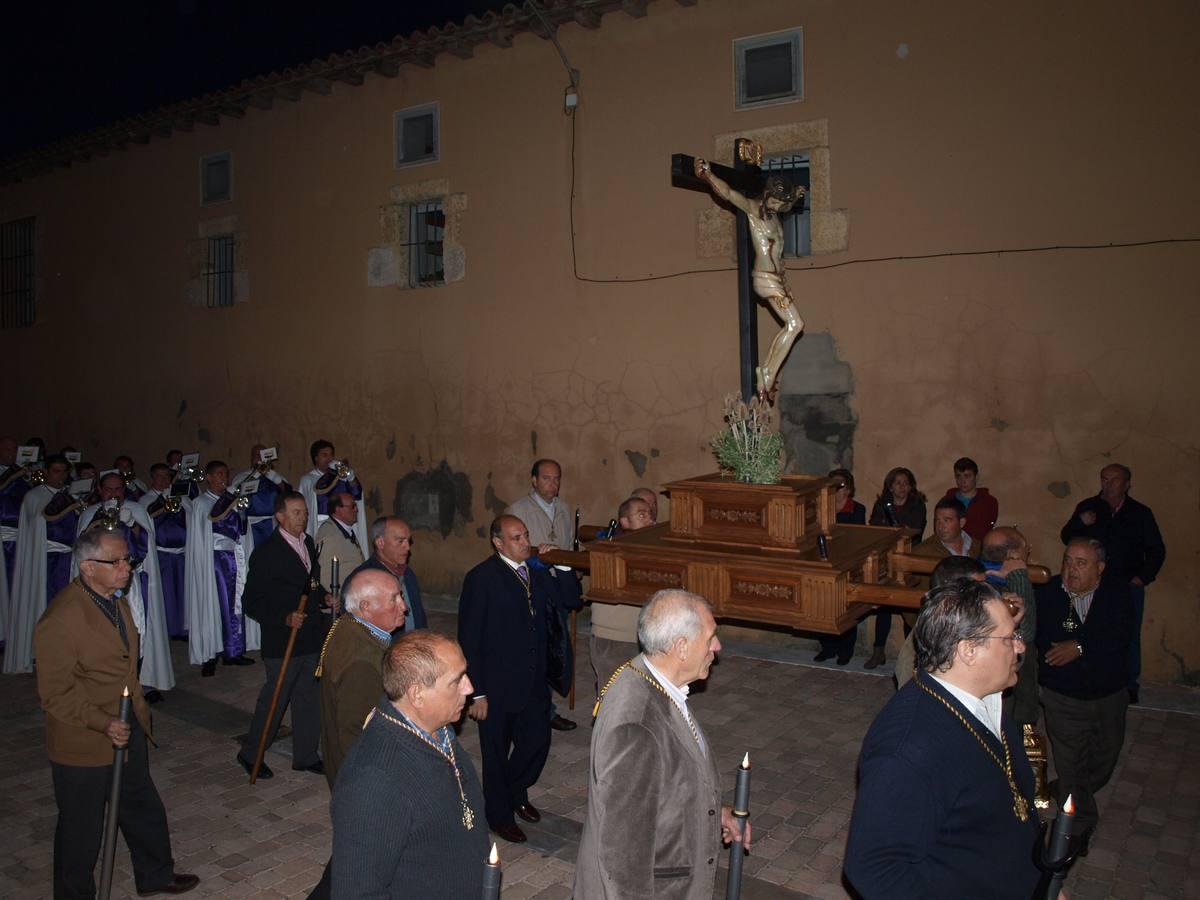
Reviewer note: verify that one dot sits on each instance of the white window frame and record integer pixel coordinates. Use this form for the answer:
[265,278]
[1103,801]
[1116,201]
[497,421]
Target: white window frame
[205,161]
[398,119]
[794,36]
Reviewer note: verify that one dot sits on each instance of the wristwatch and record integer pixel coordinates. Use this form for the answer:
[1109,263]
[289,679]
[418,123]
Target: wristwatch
[1079,648]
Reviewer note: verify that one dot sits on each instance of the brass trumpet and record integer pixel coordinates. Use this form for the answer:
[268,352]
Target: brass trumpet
[36,476]
[128,478]
[110,516]
[172,504]
[343,470]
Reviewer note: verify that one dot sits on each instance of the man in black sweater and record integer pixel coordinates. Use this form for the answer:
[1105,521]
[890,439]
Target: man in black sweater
[407,808]
[945,793]
[1133,544]
[283,568]
[1084,623]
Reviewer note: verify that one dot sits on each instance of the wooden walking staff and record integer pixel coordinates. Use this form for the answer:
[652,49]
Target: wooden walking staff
[108,853]
[287,657]
[741,813]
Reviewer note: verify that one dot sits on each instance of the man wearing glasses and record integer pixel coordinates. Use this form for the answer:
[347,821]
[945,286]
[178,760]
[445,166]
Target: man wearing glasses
[87,651]
[945,794]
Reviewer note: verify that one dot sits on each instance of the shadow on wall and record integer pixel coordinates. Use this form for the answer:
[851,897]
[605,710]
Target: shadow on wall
[436,499]
[814,404]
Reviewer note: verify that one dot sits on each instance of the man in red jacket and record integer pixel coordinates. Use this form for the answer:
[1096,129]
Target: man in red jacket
[982,508]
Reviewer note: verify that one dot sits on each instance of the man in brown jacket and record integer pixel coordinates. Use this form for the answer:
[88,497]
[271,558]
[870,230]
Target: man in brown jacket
[654,822]
[86,647]
[351,672]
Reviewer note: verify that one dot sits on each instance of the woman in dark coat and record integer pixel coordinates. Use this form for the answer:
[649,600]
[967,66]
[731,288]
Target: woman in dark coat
[899,505]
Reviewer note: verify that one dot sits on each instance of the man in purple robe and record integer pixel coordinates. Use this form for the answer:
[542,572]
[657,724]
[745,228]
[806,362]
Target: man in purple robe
[14,485]
[216,575]
[331,476]
[260,514]
[45,536]
[134,489]
[169,515]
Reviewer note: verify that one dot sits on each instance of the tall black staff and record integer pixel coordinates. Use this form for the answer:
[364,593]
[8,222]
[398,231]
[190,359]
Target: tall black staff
[108,850]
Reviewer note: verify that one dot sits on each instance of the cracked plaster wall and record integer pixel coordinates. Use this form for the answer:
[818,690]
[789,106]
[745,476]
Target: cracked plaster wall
[1042,366]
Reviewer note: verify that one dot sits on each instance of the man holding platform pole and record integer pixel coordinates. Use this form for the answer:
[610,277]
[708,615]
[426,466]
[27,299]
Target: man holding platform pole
[87,652]
[654,822]
[284,568]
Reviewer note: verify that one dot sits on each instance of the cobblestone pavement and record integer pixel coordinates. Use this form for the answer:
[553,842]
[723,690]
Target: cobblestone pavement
[802,724]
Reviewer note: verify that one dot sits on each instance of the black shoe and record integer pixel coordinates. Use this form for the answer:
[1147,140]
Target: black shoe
[558,723]
[1134,695]
[180,884]
[153,696]
[209,669]
[237,661]
[317,768]
[264,771]
[511,833]
[528,812]
[843,659]
[1085,841]
[823,655]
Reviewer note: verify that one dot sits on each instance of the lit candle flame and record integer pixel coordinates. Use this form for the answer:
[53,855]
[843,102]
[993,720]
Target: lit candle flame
[493,857]
[1069,806]
[335,559]
[746,760]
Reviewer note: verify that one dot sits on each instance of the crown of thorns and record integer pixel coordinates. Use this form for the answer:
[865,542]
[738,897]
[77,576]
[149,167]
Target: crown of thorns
[779,188]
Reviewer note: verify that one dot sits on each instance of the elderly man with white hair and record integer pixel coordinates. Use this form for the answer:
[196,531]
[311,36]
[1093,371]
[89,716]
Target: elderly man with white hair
[654,818]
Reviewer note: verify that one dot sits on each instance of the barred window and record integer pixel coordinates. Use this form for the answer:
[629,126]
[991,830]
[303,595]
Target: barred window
[16,274]
[797,234]
[426,226]
[218,271]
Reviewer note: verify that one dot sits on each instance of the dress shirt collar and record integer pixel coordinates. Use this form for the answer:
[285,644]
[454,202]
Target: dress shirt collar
[677,693]
[376,632]
[511,564]
[966,546]
[986,711]
[297,544]
[547,508]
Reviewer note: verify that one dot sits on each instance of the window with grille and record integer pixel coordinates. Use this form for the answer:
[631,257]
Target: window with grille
[797,233]
[16,274]
[426,227]
[218,271]
[417,138]
[216,178]
[769,68]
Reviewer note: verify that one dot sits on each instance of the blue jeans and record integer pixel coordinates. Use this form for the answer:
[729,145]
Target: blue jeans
[1137,593]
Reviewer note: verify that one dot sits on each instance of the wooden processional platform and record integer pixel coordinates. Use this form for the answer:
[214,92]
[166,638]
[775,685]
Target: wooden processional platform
[752,550]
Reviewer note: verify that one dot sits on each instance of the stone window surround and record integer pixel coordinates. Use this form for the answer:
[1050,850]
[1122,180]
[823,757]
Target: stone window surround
[387,264]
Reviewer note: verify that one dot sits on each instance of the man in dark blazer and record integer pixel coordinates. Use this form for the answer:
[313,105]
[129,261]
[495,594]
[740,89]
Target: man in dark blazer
[502,627]
[945,790]
[391,542]
[1084,626]
[282,569]
[87,654]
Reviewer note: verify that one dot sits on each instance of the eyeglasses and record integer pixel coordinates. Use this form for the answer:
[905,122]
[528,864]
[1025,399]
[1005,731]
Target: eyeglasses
[1011,639]
[132,561]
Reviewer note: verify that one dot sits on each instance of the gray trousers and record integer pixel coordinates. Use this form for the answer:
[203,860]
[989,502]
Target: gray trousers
[1086,737]
[302,690]
[606,656]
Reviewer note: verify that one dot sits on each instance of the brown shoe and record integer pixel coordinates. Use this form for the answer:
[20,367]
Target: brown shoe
[878,658]
[511,833]
[528,812]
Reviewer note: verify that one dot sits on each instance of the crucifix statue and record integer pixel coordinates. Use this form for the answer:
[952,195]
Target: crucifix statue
[761,202]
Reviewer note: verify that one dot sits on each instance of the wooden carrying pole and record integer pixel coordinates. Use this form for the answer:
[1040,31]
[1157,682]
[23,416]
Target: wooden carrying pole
[287,657]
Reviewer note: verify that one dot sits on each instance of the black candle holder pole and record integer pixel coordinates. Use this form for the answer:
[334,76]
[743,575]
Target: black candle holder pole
[741,815]
[491,876]
[1058,856]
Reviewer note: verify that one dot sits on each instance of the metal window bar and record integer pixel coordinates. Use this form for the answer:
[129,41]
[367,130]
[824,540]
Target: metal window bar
[218,274]
[797,233]
[426,228]
[16,274]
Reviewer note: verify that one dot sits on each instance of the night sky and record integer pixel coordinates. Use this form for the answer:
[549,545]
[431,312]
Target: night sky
[72,66]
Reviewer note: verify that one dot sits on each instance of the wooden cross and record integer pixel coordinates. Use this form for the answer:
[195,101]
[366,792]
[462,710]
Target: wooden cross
[746,178]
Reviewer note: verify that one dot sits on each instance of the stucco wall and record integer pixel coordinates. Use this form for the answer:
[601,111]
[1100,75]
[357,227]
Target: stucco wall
[951,128]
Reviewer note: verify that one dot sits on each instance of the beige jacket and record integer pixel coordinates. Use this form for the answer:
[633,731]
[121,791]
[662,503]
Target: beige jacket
[653,825]
[560,532]
[331,542]
[82,668]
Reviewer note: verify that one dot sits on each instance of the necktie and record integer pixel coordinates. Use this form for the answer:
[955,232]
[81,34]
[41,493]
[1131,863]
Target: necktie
[523,574]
